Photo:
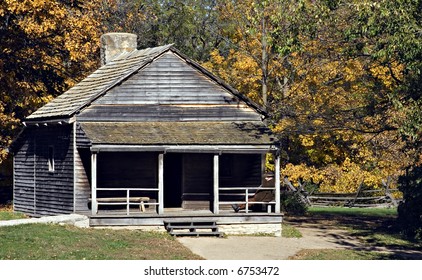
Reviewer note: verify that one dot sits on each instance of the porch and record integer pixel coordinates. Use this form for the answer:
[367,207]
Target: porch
[207,184]
[195,222]
[114,218]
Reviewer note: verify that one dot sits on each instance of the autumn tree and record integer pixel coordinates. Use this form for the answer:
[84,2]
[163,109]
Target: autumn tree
[45,47]
[338,116]
[390,33]
[191,25]
[330,106]
[261,35]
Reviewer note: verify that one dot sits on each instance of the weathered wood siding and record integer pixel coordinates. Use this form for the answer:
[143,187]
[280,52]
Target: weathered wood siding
[37,190]
[82,179]
[81,140]
[197,181]
[169,89]
[24,173]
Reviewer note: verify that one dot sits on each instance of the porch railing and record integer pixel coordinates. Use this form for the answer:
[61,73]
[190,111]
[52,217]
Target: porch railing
[248,193]
[128,197]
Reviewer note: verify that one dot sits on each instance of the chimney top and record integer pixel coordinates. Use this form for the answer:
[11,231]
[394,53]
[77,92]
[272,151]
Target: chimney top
[113,44]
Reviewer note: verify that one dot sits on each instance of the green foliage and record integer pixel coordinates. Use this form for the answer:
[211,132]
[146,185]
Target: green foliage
[191,25]
[410,210]
[292,204]
[390,32]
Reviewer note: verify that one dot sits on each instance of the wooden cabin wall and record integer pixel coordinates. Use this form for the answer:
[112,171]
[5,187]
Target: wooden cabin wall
[81,140]
[82,179]
[38,190]
[197,185]
[24,174]
[168,89]
[127,170]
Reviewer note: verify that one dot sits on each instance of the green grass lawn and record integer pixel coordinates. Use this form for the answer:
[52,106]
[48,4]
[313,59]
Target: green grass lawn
[374,227]
[339,254]
[56,242]
[6,213]
[289,231]
[363,212]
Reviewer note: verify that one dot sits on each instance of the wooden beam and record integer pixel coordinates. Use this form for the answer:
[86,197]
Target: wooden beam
[216,183]
[236,149]
[160,183]
[94,206]
[277,183]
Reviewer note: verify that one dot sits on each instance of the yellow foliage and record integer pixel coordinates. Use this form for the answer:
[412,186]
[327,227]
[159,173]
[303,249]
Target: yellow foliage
[49,45]
[239,70]
[301,172]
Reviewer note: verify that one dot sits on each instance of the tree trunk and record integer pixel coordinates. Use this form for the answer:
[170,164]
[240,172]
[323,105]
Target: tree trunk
[264,64]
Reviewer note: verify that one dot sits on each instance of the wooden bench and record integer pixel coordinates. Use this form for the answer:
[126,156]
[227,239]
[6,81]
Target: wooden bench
[115,200]
[264,196]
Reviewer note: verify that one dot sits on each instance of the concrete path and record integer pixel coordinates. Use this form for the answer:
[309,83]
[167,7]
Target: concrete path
[74,219]
[268,248]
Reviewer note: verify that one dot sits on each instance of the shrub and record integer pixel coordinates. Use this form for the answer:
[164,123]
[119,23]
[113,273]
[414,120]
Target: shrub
[410,210]
[291,203]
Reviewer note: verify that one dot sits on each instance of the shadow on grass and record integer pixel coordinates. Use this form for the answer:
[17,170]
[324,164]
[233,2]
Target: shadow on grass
[370,237]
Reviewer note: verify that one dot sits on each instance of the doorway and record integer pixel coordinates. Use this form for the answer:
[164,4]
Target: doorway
[173,176]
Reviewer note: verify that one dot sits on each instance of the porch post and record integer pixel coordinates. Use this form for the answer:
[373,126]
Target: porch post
[277,183]
[160,183]
[94,206]
[216,183]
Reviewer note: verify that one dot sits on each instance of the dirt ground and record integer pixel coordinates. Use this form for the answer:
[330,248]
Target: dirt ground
[317,233]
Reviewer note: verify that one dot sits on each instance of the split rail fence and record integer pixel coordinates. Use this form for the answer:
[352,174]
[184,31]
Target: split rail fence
[383,197]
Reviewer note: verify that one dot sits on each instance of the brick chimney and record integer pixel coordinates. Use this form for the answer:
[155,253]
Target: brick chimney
[113,44]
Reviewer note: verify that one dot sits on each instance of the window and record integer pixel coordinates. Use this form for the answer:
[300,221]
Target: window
[51,159]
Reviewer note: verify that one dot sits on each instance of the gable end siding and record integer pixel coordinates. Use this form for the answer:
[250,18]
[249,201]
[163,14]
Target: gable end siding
[169,89]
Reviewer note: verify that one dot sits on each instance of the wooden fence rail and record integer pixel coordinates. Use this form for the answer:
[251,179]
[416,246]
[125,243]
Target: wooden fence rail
[382,197]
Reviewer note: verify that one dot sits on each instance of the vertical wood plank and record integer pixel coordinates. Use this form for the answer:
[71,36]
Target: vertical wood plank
[94,205]
[14,181]
[35,175]
[75,174]
[160,183]
[277,183]
[216,183]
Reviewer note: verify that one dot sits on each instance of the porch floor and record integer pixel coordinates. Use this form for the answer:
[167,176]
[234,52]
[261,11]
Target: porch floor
[120,218]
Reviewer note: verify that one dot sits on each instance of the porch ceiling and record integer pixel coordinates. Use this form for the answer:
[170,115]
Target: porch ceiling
[178,133]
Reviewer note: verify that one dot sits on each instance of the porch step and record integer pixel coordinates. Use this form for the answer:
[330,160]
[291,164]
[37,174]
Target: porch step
[189,228]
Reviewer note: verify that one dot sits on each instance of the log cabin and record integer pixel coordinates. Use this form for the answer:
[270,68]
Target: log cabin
[149,138]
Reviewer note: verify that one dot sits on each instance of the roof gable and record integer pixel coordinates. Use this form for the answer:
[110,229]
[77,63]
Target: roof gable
[101,86]
[96,84]
[168,80]
[169,89]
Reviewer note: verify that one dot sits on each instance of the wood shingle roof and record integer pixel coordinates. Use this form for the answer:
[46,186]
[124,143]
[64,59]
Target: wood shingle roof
[178,133]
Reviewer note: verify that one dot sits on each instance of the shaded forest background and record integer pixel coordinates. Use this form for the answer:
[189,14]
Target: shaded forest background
[340,79]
